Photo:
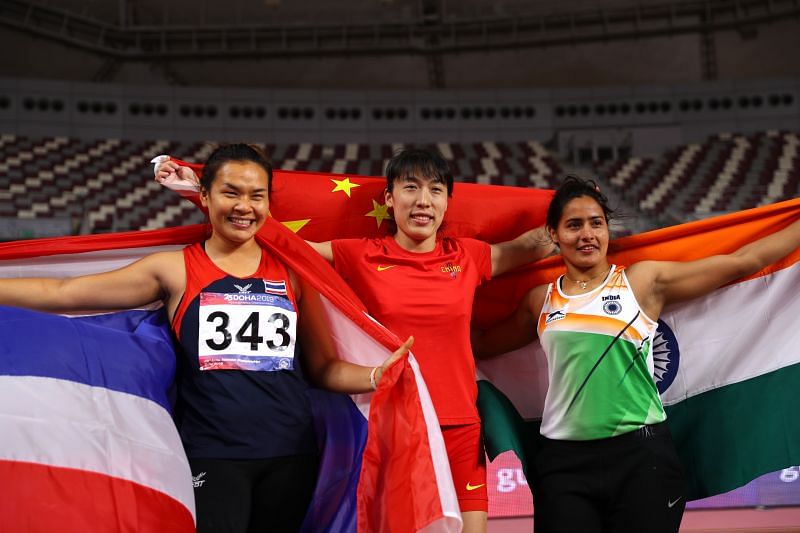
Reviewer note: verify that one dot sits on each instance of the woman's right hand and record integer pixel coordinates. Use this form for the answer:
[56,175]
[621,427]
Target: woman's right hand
[169,172]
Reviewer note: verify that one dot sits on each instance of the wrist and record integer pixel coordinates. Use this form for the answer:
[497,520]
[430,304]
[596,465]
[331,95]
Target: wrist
[373,378]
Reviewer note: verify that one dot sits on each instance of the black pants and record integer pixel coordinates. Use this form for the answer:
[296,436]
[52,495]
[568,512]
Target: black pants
[253,496]
[629,483]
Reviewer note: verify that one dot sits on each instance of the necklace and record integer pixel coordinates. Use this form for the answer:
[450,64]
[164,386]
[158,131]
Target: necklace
[585,283]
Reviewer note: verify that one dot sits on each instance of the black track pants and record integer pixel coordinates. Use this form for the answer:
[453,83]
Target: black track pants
[629,483]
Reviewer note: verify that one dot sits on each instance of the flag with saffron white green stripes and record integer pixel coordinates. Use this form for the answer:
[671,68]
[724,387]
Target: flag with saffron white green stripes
[727,365]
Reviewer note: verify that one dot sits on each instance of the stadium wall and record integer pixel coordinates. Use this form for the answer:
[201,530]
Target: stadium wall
[579,124]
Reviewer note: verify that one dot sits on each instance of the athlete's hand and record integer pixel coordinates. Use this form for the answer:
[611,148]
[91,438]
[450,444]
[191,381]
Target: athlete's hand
[168,172]
[400,352]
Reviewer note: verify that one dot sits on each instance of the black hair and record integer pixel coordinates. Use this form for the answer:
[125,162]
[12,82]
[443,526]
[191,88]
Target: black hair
[575,187]
[427,161]
[238,152]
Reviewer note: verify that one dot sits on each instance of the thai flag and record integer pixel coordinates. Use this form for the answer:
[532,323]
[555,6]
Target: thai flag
[88,443]
[275,287]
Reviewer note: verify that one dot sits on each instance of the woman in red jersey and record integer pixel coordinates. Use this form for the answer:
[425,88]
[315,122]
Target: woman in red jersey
[249,332]
[416,280]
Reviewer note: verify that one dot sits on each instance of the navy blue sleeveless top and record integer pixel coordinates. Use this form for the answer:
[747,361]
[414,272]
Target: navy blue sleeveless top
[241,391]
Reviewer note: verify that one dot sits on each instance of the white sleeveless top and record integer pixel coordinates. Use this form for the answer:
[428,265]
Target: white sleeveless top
[600,362]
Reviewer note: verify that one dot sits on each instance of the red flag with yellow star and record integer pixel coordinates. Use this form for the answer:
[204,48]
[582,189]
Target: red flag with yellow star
[321,207]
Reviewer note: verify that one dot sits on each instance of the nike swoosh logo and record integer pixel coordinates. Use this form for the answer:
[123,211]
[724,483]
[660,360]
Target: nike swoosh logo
[672,503]
[473,487]
[381,268]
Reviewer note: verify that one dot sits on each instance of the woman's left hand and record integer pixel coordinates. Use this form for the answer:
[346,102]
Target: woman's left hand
[400,352]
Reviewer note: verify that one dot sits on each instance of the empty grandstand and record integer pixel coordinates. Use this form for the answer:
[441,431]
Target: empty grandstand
[727,172]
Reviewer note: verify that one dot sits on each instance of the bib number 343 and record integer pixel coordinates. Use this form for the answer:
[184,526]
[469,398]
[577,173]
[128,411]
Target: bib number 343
[257,336]
[248,333]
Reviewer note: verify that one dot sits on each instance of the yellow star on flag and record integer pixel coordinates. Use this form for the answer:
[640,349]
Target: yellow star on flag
[379,211]
[296,225]
[344,185]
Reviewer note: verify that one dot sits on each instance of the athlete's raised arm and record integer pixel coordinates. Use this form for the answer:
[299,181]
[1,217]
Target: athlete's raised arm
[659,283]
[531,246]
[149,279]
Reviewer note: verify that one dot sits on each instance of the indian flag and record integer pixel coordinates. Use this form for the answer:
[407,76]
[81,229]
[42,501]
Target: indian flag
[727,365]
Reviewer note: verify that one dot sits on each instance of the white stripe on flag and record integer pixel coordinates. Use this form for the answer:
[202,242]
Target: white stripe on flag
[346,335]
[522,376]
[67,424]
[441,464]
[736,333]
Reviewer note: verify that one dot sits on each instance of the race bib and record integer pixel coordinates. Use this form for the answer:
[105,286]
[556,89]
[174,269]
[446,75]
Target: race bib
[246,332]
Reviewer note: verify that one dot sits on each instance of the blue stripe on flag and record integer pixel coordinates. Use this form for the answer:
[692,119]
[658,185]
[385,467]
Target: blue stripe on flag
[342,434]
[129,351]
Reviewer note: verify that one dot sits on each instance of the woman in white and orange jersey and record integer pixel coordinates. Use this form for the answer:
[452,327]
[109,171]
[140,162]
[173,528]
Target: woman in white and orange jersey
[606,461]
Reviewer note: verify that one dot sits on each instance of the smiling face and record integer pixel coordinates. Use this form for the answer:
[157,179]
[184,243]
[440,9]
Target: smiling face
[419,205]
[582,235]
[237,201]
